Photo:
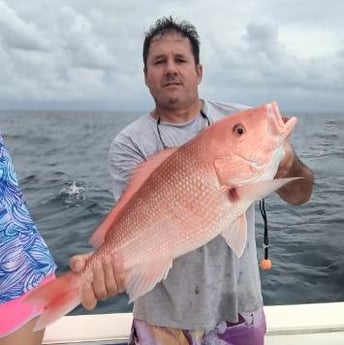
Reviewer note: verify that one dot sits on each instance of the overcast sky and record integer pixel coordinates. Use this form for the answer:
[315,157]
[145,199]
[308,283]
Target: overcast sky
[87,54]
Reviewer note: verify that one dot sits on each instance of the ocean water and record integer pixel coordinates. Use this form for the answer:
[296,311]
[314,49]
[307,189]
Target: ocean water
[61,161]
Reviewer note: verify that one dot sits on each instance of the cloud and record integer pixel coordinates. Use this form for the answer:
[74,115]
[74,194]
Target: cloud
[83,51]
[15,33]
[80,43]
[259,67]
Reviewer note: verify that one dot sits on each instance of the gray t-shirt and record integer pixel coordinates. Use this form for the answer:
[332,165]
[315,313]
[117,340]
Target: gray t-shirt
[210,284]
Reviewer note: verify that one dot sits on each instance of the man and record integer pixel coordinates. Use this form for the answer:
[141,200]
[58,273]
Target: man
[210,296]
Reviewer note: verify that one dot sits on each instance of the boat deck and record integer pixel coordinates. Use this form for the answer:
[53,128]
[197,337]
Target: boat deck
[316,324]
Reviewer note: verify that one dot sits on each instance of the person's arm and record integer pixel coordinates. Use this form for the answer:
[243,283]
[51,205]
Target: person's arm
[298,191]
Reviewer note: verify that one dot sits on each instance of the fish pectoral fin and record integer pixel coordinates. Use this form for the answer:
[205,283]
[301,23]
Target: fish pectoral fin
[258,190]
[142,278]
[236,235]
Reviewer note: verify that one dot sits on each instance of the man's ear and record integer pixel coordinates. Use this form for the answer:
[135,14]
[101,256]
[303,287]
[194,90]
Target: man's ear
[145,74]
[199,71]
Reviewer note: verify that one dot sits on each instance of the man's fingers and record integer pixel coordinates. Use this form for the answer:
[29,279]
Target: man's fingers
[110,280]
[99,287]
[89,300]
[119,272]
[77,262]
[113,277]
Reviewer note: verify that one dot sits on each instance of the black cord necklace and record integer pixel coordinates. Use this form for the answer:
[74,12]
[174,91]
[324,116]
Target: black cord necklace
[265,263]
[203,114]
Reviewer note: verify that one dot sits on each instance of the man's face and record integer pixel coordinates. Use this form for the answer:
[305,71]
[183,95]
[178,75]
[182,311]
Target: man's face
[171,73]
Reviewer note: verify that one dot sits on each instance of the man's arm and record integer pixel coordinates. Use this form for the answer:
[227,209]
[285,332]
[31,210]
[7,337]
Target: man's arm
[298,191]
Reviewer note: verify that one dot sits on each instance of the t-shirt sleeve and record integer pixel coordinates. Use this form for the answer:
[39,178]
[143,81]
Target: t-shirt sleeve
[123,158]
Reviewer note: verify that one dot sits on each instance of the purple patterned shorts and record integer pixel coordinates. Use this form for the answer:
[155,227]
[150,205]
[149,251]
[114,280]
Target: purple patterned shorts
[250,330]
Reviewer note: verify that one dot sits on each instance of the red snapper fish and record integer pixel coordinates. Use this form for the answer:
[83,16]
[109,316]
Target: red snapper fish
[179,200]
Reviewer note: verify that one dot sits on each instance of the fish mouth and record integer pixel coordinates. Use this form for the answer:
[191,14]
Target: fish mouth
[278,124]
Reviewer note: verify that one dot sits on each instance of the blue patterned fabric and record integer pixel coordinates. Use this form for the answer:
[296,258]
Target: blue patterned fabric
[25,259]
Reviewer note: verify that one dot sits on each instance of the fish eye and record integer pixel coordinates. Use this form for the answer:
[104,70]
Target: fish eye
[239,129]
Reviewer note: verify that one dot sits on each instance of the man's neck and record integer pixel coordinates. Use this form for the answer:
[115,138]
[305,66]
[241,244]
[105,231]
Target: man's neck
[177,115]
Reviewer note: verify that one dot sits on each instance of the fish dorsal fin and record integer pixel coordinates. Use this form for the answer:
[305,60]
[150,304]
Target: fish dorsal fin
[236,235]
[142,278]
[137,179]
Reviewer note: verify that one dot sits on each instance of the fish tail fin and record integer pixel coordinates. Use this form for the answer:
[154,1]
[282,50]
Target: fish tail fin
[57,298]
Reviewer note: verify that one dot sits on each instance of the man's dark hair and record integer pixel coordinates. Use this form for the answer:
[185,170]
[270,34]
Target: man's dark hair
[168,24]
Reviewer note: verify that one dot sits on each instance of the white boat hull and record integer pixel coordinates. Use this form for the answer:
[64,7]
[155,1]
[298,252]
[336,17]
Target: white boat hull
[316,324]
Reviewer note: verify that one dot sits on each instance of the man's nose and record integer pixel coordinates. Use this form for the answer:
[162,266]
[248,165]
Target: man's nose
[171,67]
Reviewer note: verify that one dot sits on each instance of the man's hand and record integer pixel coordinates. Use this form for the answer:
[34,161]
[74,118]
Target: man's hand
[286,162]
[108,278]
[299,191]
